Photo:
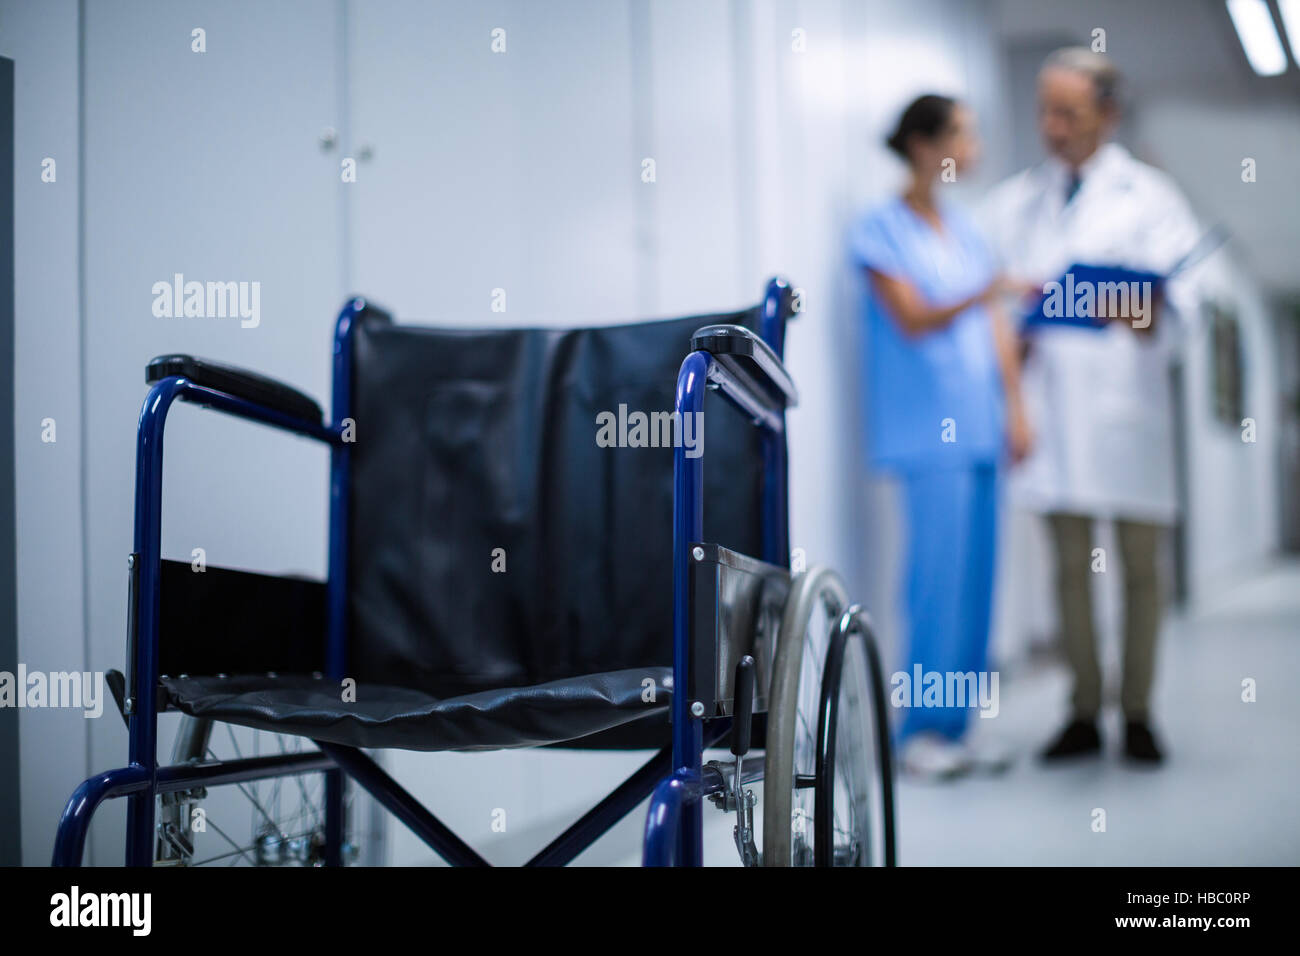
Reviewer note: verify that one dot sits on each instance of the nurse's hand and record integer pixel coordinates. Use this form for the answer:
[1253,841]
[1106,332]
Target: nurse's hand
[1005,287]
[1020,436]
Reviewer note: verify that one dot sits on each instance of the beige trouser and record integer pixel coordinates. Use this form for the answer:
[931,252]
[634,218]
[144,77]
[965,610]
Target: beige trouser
[1072,535]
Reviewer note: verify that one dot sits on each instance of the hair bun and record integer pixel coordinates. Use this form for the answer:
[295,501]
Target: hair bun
[926,116]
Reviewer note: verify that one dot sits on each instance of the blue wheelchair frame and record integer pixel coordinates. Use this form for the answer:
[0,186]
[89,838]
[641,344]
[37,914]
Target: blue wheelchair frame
[674,778]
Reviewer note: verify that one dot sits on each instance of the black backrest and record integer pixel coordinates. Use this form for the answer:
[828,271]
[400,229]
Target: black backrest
[470,441]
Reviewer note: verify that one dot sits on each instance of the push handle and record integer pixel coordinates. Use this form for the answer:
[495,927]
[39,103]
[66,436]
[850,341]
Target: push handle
[749,359]
[742,722]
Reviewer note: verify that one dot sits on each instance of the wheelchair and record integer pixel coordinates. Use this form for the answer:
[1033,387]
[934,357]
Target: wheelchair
[498,578]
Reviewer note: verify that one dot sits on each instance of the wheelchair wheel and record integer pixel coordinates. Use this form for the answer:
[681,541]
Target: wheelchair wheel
[276,822]
[853,817]
[827,794]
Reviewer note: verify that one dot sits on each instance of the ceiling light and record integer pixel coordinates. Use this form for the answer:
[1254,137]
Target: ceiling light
[1255,28]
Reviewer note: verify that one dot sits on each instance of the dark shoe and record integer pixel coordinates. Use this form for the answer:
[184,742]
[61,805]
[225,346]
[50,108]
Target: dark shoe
[1140,743]
[1079,739]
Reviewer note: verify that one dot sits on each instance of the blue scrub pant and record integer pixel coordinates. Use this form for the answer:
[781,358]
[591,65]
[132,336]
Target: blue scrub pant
[952,516]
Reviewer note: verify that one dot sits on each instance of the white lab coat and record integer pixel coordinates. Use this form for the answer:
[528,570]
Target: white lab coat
[1099,401]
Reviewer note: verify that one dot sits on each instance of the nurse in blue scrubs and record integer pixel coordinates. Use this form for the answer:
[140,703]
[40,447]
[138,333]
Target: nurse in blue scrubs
[944,414]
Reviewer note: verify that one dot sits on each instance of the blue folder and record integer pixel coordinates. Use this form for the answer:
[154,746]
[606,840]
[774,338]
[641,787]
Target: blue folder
[1064,306]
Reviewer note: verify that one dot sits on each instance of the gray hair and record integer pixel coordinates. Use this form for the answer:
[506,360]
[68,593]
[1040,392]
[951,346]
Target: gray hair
[1096,66]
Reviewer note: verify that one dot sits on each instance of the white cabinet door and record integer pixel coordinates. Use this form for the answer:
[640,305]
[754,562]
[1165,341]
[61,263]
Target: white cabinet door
[502,156]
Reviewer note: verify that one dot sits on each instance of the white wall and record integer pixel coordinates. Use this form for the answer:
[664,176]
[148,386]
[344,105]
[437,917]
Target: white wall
[1234,521]
[42,40]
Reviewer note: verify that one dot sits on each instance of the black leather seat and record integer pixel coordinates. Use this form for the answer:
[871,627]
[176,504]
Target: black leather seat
[386,716]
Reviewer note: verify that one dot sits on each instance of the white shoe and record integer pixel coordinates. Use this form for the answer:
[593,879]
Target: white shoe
[933,757]
[987,755]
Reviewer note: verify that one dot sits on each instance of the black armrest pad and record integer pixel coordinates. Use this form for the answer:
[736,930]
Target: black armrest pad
[249,386]
[738,347]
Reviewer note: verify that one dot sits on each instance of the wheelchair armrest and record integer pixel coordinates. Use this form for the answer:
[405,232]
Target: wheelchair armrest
[749,360]
[237,382]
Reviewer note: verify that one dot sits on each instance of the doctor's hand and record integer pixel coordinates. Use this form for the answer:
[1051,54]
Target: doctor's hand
[1020,435]
[1140,316]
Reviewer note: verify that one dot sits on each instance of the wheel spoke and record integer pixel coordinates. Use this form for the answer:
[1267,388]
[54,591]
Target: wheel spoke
[238,849]
[286,820]
[302,788]
[251,799]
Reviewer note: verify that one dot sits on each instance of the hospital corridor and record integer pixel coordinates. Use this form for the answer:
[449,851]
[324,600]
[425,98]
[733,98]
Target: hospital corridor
[669,434]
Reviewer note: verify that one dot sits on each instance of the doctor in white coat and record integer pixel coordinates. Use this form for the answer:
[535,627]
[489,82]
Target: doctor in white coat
[1098,400]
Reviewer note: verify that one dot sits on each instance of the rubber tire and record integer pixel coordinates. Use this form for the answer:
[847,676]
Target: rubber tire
[783,702]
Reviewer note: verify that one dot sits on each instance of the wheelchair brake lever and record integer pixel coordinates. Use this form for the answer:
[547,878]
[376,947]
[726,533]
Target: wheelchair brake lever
[116,682]
[741,729]
[743,710]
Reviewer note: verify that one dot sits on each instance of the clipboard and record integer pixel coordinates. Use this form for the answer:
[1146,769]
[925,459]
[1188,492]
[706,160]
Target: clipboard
[1059,304]
[1072,300]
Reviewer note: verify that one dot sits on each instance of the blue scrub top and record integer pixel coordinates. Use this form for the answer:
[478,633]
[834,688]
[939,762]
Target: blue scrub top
[915,383]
